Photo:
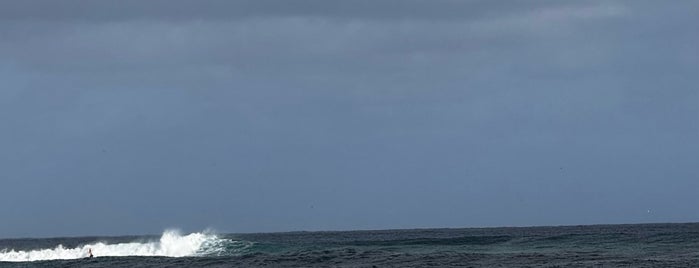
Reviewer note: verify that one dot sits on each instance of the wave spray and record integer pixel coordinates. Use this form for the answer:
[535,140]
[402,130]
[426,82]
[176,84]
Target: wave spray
[171,244]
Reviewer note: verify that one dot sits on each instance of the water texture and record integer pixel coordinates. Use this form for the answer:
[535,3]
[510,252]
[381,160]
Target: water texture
[640,245]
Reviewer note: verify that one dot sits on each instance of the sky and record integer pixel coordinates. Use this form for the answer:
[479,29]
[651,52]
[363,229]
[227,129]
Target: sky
[131,117]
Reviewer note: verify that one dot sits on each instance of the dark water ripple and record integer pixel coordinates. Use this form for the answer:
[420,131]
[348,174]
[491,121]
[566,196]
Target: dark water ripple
[646,245]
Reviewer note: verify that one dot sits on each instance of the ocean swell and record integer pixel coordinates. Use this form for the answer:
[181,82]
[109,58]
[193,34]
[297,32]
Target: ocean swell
[170,244]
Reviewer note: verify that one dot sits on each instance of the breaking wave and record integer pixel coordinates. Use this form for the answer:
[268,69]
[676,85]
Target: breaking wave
[171,244]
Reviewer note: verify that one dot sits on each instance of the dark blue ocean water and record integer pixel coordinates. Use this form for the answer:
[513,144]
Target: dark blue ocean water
[640,245]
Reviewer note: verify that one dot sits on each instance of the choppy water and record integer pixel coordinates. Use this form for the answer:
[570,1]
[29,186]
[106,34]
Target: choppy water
[645,245]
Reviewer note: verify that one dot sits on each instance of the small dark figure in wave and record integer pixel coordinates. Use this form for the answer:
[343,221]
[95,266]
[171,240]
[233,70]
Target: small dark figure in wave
[89,253]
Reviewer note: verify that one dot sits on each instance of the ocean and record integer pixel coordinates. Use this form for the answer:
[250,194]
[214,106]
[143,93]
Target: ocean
[628,245]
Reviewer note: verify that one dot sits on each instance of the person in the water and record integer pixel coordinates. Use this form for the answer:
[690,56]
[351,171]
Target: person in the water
[89,253]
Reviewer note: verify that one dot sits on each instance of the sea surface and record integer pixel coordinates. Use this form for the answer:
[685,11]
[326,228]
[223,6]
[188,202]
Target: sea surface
[638,245]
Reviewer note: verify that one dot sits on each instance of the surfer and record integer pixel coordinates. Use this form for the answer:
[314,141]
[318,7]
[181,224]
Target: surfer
[89,253]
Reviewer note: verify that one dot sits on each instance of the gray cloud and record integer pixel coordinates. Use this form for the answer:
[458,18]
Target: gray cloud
[216,10]
[242,115]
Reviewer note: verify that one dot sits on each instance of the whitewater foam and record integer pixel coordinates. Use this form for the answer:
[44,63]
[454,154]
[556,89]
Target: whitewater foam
[171,244]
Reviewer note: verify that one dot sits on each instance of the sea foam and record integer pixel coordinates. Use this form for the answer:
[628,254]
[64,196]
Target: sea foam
[171,244]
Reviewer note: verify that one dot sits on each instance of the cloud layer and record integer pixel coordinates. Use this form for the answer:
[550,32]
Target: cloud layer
[268,116]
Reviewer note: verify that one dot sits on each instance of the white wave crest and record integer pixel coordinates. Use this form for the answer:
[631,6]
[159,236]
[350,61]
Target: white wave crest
[171,244]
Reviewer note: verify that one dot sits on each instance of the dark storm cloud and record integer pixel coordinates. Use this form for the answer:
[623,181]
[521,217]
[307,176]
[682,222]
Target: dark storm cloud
[262,115]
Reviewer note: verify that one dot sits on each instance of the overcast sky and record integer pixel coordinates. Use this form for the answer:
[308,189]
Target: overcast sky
[129,117]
